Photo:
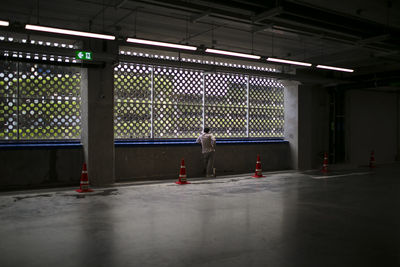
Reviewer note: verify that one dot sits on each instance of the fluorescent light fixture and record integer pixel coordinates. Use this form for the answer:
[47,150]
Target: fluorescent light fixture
[289,62]
[229,53]
[155,43]
[4,23]
[334,68]
[68,32]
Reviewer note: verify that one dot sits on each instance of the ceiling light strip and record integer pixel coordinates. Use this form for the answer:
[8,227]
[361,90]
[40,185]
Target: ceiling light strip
[334,68]
[229,53]
[69,32]
[4,23]
[285,61]
[156,43]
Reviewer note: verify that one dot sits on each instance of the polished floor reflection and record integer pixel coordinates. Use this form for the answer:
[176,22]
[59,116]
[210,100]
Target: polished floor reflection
[346,218]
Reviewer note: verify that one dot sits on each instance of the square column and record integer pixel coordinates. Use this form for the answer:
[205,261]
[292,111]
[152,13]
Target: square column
[398,125]
[291,127]
[98,113]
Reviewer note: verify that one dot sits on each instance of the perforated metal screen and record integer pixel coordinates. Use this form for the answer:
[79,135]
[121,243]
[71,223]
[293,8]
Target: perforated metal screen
[132,108]
[39,101]
[178,98]
[226,104]
[266,112]
[165,102]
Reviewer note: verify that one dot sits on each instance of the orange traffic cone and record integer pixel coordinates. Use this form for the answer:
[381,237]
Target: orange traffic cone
[84,181]
[372,160]
[182,174]
[258,173]
[325,164]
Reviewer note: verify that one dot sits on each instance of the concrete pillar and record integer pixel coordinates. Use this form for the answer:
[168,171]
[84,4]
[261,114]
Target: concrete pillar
[398,125]
[305,127]
[313,126]
[292,120]
[98,113]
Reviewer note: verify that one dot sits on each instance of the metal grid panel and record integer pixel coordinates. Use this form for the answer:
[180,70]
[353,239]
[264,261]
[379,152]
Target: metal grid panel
[132,101]
[8,118]
[132,119]
[173,86]
[177,121]
[8,100]
[40,102]
[49,106]
[265,122]
[132,81]
[226,122]
[167,102]
[8,79]
[226,104]
[266,114]
[264,92]
[226,89]
[48,81]
[49,119]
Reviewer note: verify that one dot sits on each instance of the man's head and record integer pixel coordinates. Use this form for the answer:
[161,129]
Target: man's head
[206,130]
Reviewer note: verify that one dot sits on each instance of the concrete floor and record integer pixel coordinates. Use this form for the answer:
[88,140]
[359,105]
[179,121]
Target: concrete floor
[347,218]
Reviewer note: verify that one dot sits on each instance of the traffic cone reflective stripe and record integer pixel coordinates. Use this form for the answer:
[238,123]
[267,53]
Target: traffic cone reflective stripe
[325,164]
[372,160]
[84,184]
[182,174]
[258,172]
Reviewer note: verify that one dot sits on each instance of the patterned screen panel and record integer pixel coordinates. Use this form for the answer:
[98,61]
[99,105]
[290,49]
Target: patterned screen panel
[8,100]
[226,90]
[178,86]
[132,103]
[8,118]
[226,104]
[266,112]
[178,98]
[39,102]
[166,102]
[177,121]
[226,122]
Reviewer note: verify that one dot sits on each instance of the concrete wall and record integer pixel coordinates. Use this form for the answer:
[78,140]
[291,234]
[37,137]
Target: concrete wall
[372,124]
[40,167]
[33,167]
[155,162]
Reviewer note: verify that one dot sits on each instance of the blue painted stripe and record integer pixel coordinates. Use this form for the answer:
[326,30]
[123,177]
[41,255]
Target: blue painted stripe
[42,145]
[193,142]
[136,143]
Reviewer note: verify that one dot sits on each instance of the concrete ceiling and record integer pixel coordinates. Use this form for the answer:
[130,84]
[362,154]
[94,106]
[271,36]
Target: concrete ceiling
[364,35]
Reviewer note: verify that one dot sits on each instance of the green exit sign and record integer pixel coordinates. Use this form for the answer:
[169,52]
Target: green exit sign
[83,55]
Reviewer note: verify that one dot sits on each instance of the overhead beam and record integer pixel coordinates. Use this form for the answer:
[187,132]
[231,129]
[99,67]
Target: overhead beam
[373,39]
[130,12]
[195,18]
[256,29]
[120,3]
[268,14]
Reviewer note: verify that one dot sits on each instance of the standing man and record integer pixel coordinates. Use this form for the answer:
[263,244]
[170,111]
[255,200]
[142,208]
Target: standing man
[208,143]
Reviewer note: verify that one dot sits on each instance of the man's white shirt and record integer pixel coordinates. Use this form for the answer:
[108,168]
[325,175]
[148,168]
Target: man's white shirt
[207,142]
